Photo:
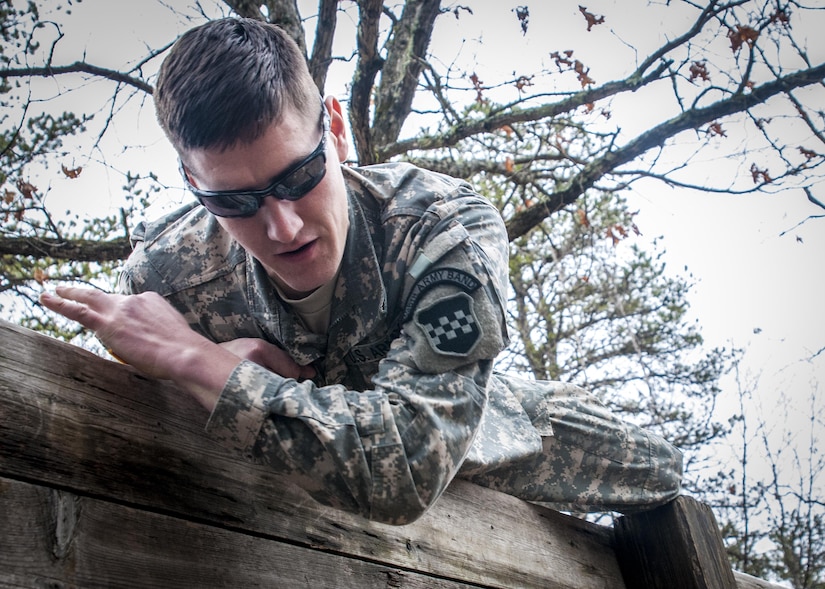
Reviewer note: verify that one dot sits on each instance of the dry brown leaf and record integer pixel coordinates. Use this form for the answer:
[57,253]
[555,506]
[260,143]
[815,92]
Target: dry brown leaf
[758,174]
[73,172]
[698,69]
[742,35]
[26,189]
[592,19]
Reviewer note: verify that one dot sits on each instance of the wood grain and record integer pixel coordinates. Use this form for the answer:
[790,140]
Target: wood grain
[72,421]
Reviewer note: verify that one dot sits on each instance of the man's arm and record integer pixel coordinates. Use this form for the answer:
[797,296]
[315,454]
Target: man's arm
[389,452]
[386,454]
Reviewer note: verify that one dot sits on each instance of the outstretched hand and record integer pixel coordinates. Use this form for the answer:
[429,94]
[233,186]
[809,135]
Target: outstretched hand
[147,332]
[144,330]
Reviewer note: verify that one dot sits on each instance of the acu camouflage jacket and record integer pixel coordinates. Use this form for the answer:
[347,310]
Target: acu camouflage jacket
[405,393]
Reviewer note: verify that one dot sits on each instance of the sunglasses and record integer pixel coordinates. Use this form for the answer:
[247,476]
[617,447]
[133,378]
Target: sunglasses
[292,184]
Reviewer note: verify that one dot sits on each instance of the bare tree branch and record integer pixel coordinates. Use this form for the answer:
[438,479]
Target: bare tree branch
[366,68]
[246,8]
[78,67]
[523,221]
[283,13]
[406,53]
[511,117]
[80,250]
[322,47]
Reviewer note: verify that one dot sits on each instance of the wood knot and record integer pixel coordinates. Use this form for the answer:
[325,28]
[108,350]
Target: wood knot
[64,513]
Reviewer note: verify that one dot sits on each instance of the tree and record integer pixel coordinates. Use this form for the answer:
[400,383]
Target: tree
[596,310]
[591,307]
[770,500]
[729,58]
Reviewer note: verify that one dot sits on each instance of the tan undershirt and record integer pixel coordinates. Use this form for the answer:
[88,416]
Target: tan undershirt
[313,309]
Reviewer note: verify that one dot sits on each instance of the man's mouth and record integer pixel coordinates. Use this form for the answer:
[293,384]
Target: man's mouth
[299,250]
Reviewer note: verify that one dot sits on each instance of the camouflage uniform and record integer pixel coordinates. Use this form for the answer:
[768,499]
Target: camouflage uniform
[405,398]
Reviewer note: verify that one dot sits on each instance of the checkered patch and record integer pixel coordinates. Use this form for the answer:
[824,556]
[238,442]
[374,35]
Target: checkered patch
[450,325]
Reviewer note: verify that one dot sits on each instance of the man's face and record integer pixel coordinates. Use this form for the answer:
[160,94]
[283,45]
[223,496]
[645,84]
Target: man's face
[299,243]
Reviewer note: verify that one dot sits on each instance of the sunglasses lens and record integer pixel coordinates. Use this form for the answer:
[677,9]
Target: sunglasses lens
[292,185]
[236,205]
[302,180]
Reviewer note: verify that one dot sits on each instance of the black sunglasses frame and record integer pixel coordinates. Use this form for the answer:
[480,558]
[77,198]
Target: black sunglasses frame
[245,203]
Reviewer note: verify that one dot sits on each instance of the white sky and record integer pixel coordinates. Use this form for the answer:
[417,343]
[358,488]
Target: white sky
[756,288]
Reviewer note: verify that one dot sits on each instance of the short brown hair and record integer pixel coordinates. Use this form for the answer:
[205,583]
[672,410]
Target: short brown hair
[228,80]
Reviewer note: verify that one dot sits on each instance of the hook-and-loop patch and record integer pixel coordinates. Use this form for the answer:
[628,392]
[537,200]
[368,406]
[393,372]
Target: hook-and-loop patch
[450,325]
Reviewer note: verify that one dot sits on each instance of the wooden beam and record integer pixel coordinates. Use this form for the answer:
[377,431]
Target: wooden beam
[676,546]
[744,581]
[54,538]
[72,421]
[107,479]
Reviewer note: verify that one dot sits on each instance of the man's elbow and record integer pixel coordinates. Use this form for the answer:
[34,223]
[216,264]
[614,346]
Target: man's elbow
[403,503]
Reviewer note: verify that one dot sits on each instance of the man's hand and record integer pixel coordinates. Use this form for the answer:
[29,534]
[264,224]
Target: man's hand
[269,356]
[147,332]
[138,329]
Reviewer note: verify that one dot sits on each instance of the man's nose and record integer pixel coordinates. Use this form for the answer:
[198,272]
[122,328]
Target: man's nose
[282,219]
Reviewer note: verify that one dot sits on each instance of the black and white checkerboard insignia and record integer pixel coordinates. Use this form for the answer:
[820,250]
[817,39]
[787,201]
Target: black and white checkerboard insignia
[451,325]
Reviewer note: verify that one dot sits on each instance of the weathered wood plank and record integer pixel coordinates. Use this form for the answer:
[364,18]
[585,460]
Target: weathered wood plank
[744,581]
[676,546]
[71,420]
[57,539]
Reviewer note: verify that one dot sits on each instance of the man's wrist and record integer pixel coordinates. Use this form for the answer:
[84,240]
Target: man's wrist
[202,369]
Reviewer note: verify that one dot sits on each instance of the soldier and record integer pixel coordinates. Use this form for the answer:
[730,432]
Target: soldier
[341,323]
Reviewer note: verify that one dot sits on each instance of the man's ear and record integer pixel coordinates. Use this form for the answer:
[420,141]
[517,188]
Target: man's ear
[337,127]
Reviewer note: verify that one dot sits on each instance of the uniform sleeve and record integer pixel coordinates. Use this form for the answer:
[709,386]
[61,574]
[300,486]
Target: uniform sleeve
[125,283]
[388,453]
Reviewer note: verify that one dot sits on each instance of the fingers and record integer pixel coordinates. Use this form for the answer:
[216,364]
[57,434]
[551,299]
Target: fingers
[87,296]
[277,360]
[134,327]
[67,303]
[297,372]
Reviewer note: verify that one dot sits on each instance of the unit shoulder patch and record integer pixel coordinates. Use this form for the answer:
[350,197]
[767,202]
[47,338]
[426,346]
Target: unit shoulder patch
[450,325]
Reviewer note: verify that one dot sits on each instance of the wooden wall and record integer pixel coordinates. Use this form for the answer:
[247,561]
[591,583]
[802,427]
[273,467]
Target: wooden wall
[107,480]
